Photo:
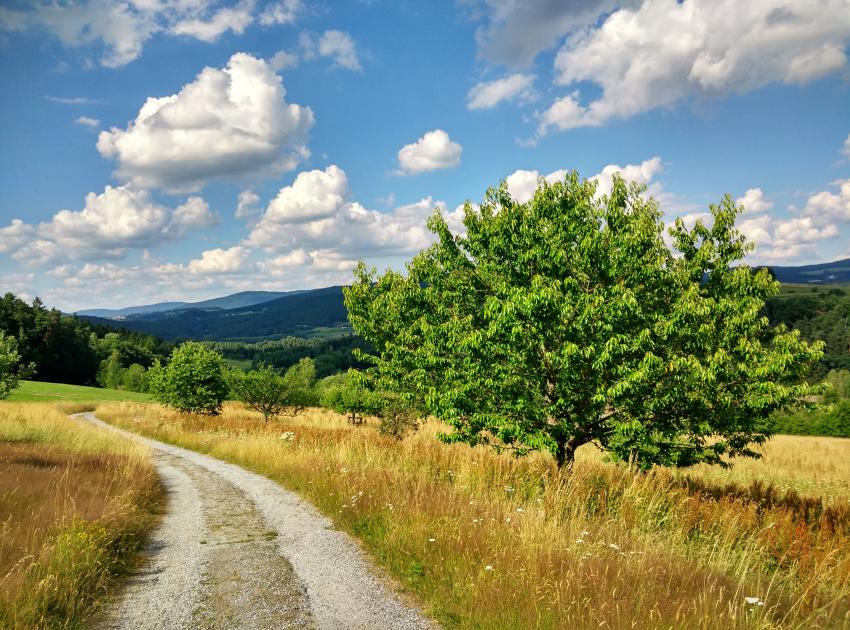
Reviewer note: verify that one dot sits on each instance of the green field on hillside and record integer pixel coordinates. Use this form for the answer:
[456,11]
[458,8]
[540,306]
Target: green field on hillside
[47,392]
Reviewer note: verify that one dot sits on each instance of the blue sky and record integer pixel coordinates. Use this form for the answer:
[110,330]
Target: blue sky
[183,149]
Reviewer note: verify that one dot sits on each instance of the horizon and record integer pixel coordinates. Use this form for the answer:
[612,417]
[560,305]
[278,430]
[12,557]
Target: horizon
[177,152]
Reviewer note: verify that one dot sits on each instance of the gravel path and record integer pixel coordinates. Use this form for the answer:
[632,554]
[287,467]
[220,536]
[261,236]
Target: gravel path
[236,550]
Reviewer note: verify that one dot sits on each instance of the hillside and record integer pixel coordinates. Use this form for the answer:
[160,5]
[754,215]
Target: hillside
[822,273]
[236,300]
[121,313]
[299,314]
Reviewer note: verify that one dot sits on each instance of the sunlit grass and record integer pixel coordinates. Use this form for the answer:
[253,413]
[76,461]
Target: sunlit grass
[75,505]
[488,541]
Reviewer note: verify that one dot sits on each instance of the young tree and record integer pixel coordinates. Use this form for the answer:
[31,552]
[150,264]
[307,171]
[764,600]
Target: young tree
[568,320]
[11,370]
[192,381]
[348,394]
[266,391]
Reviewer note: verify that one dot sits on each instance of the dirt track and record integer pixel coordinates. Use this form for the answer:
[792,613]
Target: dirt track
[236,550]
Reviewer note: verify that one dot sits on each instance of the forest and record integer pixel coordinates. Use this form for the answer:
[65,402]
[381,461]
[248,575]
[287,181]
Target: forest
[66,349]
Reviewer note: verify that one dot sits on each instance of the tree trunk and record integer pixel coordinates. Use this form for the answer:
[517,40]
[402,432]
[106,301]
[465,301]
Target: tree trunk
[565,455]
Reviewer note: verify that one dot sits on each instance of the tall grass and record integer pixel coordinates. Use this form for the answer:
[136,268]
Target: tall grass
[75,505]
[488,541]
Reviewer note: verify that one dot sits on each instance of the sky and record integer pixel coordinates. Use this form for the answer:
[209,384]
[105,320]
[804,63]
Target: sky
[158,150]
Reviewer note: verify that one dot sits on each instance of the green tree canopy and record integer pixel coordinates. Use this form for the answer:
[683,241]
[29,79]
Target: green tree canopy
[266,391]
[348,393]
[11,369]
[568,320]
[192,381]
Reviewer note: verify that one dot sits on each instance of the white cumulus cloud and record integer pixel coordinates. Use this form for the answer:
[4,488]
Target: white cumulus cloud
[487,94]
[282,60]
[825,206]
[119,29]
[515,32]
[209,29]
[754,201]
[110,223]
[227,122]
[221,261]
[664,52]
[86,121]
[340,47]
[246,204]
[434,150]
[522,183]
[315,213]
[284,12]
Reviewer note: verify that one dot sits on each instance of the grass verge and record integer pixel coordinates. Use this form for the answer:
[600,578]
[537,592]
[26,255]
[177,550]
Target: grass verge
[489,541]
[75,506]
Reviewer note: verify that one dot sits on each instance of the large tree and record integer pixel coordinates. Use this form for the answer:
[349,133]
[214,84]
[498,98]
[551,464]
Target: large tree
[568,320]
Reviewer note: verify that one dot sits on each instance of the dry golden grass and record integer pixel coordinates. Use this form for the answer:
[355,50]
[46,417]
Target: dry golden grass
[75,505]
[489,541]
[812,466]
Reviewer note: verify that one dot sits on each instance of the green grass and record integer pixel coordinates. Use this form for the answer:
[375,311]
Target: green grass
[48,392]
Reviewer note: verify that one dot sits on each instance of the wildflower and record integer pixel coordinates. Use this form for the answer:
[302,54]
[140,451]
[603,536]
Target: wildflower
[489,567]
[754,601]
[585,533]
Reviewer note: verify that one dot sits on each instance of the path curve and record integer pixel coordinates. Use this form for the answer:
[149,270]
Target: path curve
[211,566]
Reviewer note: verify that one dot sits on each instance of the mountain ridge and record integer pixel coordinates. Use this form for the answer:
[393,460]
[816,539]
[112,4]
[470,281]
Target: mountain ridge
[234,300]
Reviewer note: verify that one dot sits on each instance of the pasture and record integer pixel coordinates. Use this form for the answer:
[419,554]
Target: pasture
[37,391]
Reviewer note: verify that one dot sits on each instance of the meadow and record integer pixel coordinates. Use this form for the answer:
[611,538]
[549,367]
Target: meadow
[76,504]
[485,540]
[38,391]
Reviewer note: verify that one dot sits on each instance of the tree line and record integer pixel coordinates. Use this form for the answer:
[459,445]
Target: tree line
[61,348]
[197,379]
[330,355]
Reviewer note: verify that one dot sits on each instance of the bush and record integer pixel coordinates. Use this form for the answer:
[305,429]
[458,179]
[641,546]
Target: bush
[193,380]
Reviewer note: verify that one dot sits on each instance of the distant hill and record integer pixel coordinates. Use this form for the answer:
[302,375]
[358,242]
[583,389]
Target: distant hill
[298,314]
[237,300]
[120,313]
[823,273]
